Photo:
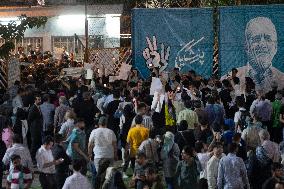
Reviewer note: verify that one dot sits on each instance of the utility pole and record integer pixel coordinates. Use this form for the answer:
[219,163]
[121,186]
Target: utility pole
[216,67]
[86,56]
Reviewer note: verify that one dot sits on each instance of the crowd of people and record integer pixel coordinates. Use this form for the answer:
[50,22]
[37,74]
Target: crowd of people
[35,55]
[190,133]
[37,66]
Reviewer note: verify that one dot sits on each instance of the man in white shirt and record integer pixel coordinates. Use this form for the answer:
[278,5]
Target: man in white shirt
[203,156]
[212,166]
[237,87]
[46,164]
[18,149]
[242,115]
[77,180]
[102,143]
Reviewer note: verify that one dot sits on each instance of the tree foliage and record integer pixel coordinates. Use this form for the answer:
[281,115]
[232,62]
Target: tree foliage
[14,30]
[195,3]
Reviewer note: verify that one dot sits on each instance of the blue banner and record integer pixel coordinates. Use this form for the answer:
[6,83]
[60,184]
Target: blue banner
[169,38]
[251,39]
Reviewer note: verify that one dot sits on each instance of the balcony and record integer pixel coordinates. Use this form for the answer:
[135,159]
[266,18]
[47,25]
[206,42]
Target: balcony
[56,2]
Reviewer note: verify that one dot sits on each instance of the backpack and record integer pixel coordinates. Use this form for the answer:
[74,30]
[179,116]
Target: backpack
[243,121]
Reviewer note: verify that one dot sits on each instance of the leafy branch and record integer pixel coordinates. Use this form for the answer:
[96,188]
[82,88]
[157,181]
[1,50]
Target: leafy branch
[14,30]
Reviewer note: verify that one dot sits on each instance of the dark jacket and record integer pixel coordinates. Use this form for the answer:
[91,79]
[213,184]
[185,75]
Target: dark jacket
[35,117]
[59,152]
[113,122]
[86,109]
[183,138]
[2,150]
[270,183]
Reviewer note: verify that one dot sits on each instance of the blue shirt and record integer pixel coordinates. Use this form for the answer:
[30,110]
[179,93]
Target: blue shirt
[47,111]
[228,136]
[232,173]
[215,114]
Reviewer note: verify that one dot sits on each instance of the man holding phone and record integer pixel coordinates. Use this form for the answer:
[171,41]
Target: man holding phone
[61,170]
[46,164]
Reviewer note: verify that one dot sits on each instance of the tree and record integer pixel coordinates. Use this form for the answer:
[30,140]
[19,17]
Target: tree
[16,31]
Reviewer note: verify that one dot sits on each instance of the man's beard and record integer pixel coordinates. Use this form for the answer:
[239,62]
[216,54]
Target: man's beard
[260,63]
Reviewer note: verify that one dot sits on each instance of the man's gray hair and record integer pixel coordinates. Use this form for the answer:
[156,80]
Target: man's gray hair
[62,100]
[260,23]
[264,134]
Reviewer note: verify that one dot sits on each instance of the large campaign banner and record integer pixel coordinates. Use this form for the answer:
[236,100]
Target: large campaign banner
[173,38]
[251,39]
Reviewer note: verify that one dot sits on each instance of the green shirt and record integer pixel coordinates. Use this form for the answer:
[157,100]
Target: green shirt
[276,106]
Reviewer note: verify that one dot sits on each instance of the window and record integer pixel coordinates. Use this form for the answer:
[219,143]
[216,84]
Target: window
[71,44]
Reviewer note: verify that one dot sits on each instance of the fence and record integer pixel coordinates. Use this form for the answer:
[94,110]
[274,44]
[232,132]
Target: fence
[109,60]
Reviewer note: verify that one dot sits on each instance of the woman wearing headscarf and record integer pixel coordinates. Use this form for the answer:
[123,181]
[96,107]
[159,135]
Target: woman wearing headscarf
[170,156]
[113,179]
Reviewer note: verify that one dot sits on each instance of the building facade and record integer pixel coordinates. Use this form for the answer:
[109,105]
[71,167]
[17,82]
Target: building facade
[66,25]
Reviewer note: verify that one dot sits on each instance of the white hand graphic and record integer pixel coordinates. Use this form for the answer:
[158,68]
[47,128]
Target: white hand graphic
[153,58]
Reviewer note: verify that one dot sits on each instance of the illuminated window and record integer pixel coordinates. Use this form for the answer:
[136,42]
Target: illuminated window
[70,43]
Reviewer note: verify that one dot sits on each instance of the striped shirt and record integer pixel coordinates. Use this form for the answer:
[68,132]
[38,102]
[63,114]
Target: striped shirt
[18,179]
[147,122]
[150,148]
[59,115]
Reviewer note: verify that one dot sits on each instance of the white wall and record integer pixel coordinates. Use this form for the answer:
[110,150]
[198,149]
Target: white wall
[68,25]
